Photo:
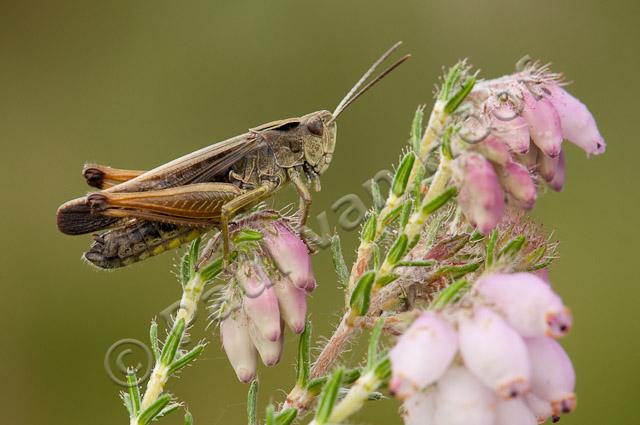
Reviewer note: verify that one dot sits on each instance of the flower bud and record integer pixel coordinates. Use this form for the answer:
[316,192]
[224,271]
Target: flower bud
[420,408]
[422,354]
[548,166]
[495,353]
[528,303]
[494,150]
[259,301]
[461,399]
[557,183]
[290,255]
[480,195]
[516,181]
[293,304]
[544,123]
[514,412]
[514,133]
[578,125]
[552,374]
[530,159]
[234,332]
[540,408]
[269,351]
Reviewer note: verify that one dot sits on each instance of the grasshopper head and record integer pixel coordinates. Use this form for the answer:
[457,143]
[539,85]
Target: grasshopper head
[321,143]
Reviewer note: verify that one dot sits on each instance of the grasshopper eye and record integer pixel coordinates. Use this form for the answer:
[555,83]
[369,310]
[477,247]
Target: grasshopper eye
[315,127]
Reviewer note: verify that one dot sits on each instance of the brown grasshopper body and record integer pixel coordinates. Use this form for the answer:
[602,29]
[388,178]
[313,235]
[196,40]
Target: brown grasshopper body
[145,213]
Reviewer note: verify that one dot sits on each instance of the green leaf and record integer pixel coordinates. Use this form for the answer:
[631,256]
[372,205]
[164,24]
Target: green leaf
[417,263]
[186,359]
[416,128]
[328,398]
[286,416]
[374,341]
[361,295]
[391,215]
[134,391]
[446,142]
[386,279]
[214,268]
[188,418]
[375,255]
[339,264]
[252,403]
[437,202]
[172,343]
[247,235]
[407,208]
[376,194]
[168,409]
[348,377]
[456,271]
[194,254]
[270,416]
[151,412]
[397,250]
[448,294]
[304,356]
[451,80]
[401,178]
[460,95]
[382,369]
[512,247]
[126,400]
[491,246]
[368,233]
[153,339]
[184,269]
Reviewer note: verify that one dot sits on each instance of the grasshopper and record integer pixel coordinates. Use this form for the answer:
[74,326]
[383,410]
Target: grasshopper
[143,213]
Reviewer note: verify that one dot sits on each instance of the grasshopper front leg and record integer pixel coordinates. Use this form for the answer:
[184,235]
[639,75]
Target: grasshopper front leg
[231,208]
[104,177]
[303,193]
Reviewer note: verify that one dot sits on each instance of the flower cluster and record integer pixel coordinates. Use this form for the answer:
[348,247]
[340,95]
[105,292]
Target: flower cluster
[493,360]
[512,135]
[269,288]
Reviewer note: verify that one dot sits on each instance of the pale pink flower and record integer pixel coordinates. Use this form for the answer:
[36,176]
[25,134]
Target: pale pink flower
[516,181]
[514,133]
[293,304]
[259,301]
[557,182]
[544,123]
[552,375]
[514,412]
[578,125]
[495,353]
[422,354]
[236,341]
[270,351]
[480,195]
[419,409]
[540,408]
[528,303]
[461,399]
[290,254]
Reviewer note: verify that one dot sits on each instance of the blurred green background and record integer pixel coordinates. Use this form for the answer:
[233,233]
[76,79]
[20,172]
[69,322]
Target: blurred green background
[135,84]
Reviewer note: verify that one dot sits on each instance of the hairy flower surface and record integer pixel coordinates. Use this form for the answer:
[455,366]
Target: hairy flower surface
[517,124]
[269,285]
[509,368]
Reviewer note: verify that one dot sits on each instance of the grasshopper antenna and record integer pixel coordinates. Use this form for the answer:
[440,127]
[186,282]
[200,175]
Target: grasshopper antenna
[351,97]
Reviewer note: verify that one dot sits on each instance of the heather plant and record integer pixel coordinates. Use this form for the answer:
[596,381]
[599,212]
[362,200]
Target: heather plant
[449,284]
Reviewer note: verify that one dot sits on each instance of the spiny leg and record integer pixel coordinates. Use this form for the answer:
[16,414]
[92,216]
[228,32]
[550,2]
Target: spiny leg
[104,177]
[235,205]
[192,205]
[303,193]
[304,207]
